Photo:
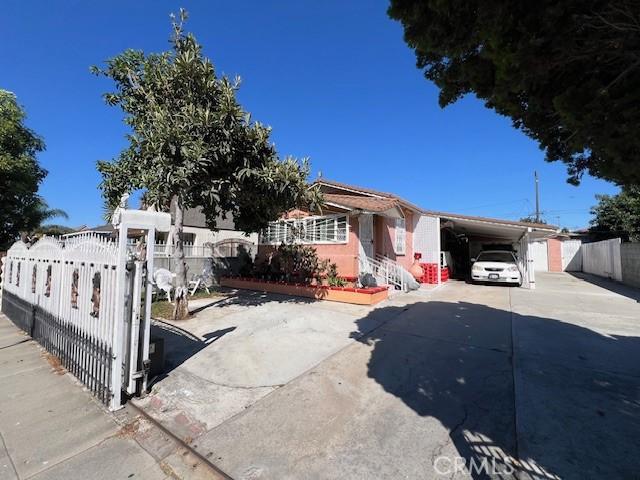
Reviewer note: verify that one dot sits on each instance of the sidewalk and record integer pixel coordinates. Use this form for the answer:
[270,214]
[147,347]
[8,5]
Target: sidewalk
[50,428]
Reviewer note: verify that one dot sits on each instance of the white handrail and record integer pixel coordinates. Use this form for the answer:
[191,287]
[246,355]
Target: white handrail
[385,270]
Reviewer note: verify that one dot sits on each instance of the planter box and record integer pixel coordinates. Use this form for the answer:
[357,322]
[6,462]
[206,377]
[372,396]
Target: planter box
[358,296]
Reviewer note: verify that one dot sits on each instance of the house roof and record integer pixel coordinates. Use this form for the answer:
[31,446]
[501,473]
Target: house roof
[453,216]
[375,195]
[371,204]
[367,192]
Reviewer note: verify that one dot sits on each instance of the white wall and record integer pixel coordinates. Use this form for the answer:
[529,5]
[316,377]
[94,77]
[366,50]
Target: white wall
[426,237]
[539,255]
[571,256]
[602,258]
[204,235]
[525,263]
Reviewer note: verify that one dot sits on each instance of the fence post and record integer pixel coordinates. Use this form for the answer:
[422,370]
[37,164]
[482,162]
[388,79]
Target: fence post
[118,325]
[32,321]
[146,327]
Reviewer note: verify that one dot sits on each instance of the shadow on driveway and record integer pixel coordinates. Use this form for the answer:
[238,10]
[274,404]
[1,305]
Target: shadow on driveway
[611,285]
[454,362]
[249,298]
[565,405]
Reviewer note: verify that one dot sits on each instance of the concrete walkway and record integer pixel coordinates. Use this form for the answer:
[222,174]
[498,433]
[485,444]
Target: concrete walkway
[472,380]
[51,429]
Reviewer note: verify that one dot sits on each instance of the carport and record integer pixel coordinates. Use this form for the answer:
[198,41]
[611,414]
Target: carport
[465,237]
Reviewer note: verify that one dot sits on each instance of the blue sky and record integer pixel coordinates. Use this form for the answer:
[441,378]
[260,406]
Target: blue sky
[334,79]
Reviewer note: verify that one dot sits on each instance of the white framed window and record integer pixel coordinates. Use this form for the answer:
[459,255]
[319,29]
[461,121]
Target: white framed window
[310,230]
[401,236]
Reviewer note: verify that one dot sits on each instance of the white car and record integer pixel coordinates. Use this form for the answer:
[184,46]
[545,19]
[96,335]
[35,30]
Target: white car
[496,266]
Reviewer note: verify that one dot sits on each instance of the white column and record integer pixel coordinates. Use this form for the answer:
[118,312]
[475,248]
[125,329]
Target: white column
[118,324]
[146,326]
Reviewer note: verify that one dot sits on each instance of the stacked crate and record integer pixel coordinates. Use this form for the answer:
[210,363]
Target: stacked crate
[430,273]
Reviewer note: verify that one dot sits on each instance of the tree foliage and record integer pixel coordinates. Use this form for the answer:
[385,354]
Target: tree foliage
[193,143]
[20,173]
[567,72]
[617,215]
[191,139]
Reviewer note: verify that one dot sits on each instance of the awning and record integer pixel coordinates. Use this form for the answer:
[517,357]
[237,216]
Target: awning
[496,229]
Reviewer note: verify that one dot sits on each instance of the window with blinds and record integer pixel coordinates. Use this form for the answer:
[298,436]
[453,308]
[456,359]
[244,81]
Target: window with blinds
[401,236]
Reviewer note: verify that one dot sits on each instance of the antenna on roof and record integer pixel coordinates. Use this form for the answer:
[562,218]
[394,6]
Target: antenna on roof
[319,173]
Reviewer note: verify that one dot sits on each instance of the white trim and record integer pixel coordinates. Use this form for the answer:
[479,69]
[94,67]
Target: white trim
[332,204]
[337,216]
[495,222]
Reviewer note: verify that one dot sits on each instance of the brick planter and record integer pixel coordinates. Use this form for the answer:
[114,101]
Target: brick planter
[358,296]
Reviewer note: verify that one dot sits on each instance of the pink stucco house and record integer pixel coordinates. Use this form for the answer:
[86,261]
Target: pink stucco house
[359,226]
[355,222]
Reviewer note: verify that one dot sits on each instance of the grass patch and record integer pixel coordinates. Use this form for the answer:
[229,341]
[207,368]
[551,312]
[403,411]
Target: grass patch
[164,309]
[161,309]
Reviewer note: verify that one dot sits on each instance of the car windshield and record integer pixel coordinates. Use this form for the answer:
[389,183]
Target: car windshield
[495,257]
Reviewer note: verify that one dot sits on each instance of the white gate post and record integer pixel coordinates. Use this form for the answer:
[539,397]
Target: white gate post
[118,324]
[146,327]
[149,221]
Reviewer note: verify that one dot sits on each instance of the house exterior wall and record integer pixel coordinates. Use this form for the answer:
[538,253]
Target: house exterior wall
[554,254]
[385,234]
[426,237]
[344,255]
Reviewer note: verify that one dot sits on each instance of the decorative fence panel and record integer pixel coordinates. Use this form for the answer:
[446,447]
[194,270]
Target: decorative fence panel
[69,296]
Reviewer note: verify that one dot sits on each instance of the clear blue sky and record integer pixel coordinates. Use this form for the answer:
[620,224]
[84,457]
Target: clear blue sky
[334,79]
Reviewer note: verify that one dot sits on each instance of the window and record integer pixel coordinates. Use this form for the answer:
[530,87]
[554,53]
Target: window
[401,235]
[320,229]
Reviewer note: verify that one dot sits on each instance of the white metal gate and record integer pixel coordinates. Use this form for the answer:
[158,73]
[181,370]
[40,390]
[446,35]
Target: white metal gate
[571,256]
[539,255]
[87,301]
[365,234]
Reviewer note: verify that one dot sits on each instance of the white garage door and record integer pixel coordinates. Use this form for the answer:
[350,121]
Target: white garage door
[538,250]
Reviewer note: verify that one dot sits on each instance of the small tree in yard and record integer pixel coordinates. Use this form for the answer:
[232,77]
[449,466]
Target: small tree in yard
[617,215]
[192,143]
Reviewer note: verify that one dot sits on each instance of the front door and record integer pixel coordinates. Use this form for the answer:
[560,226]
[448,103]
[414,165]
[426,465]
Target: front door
[365,221]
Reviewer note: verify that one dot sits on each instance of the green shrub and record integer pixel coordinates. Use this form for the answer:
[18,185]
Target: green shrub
[332,276]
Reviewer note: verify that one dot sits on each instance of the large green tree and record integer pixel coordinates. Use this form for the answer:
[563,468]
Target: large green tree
[617,215]
[567,72]
[20,173]
[192,143]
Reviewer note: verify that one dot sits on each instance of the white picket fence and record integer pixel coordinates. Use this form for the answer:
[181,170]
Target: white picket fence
[87,301]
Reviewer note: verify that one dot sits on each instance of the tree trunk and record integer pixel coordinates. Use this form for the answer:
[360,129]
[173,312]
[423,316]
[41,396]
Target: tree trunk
[181,310]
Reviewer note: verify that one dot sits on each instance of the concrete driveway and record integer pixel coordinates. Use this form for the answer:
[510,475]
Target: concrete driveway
[238,349]
[467,381]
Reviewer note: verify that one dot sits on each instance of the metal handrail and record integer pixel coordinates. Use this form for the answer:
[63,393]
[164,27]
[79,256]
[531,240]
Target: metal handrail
[384,270]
